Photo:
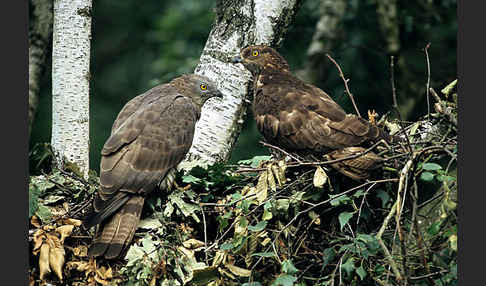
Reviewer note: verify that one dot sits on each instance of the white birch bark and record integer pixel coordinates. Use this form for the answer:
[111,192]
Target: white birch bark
[70,82]
[238,24]
[40,32]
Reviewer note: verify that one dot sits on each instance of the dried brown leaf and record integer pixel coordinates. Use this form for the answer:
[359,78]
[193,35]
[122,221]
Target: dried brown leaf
[100,280]
[218,258]
[56,260]
[190,254]
[80,251]
[320,177]
[242,272]
[35,221]
[226,273]
[78,265]
[71,221]
[65,231]
[38,239]
[193,243]
[279,172]
[271,179]
[44,267]
[262,187]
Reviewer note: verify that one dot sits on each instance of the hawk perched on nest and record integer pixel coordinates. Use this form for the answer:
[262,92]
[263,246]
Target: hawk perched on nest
[300,117]
[151,135]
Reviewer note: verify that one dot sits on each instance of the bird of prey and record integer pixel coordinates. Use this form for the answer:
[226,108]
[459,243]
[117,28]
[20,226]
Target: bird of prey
[298,116]
[150,136]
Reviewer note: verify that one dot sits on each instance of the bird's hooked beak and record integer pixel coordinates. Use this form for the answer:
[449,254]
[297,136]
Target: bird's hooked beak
[236,59]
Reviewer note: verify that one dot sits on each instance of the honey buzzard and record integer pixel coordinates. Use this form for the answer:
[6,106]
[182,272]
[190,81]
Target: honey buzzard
[300,117]
[150,136]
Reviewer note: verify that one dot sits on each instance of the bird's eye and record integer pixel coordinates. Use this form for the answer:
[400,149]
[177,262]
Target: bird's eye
[255,53]
[203,86]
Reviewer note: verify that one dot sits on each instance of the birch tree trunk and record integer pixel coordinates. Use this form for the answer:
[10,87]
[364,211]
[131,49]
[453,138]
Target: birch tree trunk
[327,35]
[40,32]
[70,82]
[238,23]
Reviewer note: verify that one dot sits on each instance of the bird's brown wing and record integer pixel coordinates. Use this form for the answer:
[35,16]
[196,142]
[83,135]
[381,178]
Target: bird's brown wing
[299,116]
[134,104]
[139,153]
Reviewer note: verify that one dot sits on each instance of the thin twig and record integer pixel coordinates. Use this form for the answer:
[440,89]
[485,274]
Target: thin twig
[280,149]
[345,84]
[428,79]
[205,234]
[316,163]
[395,103]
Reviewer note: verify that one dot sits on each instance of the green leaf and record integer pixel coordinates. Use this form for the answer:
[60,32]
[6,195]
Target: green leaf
[434,228]
[226,246]
[251,284]
[348,266]
[371,242]
[344,218]
[149,247]
[339,200]
[442,178]
[359,193]
[284,280]
[288,267]
[258,227]
[384,197]
[255,161]
[33,199]
[267,215]
[427,176]
[203,276]
[264,254]
[190,179]
[361,272]
[43,213]
[134,254]
[328,256]
[431,166]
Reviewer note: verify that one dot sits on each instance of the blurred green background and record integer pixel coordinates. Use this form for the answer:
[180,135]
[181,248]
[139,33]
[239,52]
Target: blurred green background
[139,44]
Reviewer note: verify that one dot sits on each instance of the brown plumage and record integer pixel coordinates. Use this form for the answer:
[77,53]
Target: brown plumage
[298,116]
[150,136]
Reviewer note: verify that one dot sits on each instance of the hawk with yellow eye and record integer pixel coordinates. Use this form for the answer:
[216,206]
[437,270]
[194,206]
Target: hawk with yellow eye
[150,136]
[302,118]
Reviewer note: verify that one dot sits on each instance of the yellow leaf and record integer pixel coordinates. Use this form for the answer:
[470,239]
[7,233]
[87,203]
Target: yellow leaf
[38,238]
[44,267]
[100,280]
[265,241]
[190,254]
[262,187]
[78,265]
[271,178]
[71,221]
[279,172]
[35,221]
[218,258]
[238,228]
[242,272]
[65,231]
[56,260]
[80,251]
[153,281]
[453,242]
[192,243]
[320,177]
[226,273]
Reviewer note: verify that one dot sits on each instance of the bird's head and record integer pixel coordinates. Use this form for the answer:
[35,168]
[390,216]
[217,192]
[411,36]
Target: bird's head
[199,88]
[259,57]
